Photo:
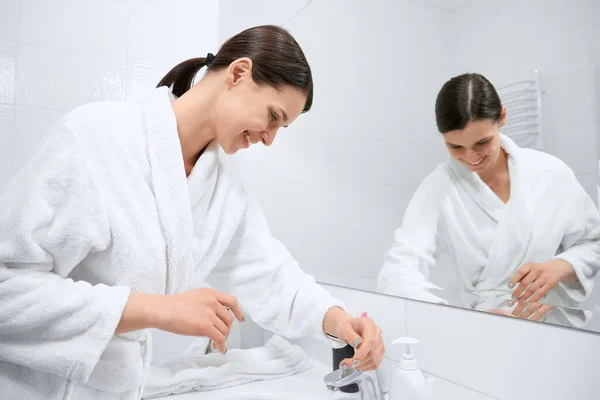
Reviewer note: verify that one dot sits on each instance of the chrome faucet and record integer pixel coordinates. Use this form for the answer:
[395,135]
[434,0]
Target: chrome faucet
[346,376]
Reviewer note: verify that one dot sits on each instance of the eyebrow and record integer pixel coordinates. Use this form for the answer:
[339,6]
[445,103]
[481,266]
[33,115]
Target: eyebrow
[460,145]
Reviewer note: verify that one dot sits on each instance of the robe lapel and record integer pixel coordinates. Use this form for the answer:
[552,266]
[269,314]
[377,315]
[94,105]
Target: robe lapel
[169,186]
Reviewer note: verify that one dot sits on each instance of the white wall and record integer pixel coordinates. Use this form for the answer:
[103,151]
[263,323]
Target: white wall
[507,40]
[57,55]
[335,184]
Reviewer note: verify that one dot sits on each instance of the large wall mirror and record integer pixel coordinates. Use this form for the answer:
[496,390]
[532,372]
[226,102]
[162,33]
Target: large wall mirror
[367,193]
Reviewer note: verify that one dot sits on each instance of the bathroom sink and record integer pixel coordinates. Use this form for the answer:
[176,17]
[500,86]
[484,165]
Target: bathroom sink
[306,385]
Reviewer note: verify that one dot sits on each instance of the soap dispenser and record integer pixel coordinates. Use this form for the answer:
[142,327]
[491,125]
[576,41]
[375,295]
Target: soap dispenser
[408,381]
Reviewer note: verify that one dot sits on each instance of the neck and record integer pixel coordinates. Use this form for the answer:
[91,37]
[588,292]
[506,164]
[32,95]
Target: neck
[496,170]
[194,112]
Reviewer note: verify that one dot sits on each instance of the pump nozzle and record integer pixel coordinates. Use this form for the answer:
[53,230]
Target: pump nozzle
[408,360]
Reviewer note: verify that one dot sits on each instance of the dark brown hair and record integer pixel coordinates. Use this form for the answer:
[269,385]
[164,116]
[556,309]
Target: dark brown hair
[277,60]
[466,98]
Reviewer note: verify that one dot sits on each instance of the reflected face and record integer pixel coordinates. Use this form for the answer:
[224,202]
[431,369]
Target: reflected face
[249,113]
[477,146]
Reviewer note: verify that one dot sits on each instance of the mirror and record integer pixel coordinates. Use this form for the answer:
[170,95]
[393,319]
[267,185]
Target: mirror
[337,184]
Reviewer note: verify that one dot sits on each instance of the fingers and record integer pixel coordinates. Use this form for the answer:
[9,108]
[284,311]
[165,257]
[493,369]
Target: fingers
[373,359]
[349,335]
[541,293]
[533,307]
[232,303]
[533,288]
[541,312]
[220,326]
[218,339]
[525,283]
[371,335]
[225,315]
[521,272]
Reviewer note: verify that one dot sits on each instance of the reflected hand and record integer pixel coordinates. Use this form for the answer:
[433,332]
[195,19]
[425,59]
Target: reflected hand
[499,311]
[366,338]
[528,310]
[535,280]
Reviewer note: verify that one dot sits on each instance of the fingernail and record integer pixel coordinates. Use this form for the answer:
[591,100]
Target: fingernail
[243,319]
[511,285]
[357,341]
[364,314]
[355,363]
[214,346]
[510,303]
[225,352]
[343,367]
[514,297]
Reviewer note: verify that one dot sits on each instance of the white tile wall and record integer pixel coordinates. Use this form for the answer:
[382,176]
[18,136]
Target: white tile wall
[8,71]
[7,126]
[236,15]
[89,26]
[71,79]
[55,56]
[9,19]
[169,32]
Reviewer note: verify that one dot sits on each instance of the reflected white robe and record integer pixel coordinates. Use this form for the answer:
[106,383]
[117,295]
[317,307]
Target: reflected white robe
[104,208]
[549,215]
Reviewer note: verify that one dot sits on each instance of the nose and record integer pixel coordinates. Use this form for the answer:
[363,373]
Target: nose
[472,156]
[268,136]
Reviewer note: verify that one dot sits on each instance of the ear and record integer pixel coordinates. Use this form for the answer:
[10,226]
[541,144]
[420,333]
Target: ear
[502,117]
[240,70]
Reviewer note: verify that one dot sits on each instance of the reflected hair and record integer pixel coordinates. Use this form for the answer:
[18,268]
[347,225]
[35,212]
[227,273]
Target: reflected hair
[277,60]
[466,98]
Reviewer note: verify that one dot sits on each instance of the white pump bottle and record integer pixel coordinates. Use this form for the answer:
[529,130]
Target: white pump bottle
[408,381]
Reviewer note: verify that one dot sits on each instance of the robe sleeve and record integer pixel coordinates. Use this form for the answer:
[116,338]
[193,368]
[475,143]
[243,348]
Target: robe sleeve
[269,283]
[407,264]
[581,242]
[50,219]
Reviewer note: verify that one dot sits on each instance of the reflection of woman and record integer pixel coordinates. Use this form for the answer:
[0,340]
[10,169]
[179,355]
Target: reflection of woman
[515,221]
[127,205]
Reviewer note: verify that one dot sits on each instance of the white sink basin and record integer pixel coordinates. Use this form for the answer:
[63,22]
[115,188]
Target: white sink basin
[307,385]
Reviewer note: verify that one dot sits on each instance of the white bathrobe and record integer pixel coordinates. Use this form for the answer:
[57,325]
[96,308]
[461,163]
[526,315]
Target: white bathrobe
[549,215]
[104,208]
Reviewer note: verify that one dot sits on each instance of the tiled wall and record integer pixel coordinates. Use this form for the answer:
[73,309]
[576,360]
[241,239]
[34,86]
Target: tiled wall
[57,55]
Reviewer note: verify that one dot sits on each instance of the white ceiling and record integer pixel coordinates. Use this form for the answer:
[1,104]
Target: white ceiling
[448,5]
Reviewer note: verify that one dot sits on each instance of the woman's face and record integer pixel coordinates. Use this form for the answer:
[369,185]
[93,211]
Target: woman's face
[477,146]
[249,113]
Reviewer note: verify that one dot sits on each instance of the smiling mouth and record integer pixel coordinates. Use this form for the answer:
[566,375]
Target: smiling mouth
[474,164]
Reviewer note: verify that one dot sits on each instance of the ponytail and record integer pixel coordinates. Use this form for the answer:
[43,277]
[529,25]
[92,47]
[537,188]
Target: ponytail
[277,61]
[181,77]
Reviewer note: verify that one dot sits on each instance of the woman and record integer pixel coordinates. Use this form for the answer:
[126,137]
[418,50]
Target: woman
[515,221]
[126,205]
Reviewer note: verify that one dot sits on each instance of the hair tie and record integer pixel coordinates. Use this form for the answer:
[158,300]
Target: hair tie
[210,57]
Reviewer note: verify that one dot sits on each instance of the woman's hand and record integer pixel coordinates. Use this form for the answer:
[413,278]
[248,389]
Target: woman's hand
[200,312]
[499,311]
[528,310]
[535,280]
[361,333]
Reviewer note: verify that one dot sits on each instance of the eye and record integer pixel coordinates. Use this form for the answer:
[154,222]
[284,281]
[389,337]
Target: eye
[483,142]
[274,117]
[455,147]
